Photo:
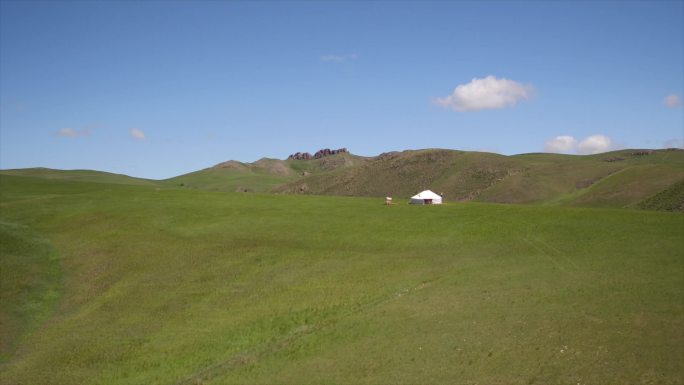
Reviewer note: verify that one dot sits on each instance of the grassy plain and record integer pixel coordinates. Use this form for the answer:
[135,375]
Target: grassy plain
[178,286]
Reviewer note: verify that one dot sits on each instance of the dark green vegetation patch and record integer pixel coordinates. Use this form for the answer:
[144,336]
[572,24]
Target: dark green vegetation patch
[29,283]
[180,286]
[670,199]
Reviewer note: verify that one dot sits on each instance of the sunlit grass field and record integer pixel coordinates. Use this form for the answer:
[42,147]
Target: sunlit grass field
[142,285]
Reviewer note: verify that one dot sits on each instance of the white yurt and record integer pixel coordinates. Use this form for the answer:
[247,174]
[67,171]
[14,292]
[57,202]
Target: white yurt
[426,197]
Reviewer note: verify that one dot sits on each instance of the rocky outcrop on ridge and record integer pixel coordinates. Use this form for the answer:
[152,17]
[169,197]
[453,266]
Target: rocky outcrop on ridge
[327,152]
[318,155]
[300,156]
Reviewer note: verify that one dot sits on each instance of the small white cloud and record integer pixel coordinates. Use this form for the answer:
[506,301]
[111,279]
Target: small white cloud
[72,133]
[672,101]
[69,132]
[339,58]
[487,93]
[595,144]
[674,143]
[137,134]
[561,144]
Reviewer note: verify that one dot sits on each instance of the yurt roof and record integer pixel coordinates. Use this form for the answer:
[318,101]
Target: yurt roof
[427,194]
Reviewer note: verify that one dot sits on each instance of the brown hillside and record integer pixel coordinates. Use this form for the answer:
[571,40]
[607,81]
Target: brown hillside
[616,179]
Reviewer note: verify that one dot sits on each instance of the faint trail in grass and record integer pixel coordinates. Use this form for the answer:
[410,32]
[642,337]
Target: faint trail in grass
[26,200]
[251,356]
[556,256]
[556,251]
[547,255]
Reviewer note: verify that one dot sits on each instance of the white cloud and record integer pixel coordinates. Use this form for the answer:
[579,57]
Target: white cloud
[72,133]
[595,144]
[672,101]
[561,144]
[339,58]
[137,134]
[487,93]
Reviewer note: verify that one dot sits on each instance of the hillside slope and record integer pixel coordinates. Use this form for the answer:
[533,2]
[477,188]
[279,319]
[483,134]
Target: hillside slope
[615,179]
[79,175]
[670,199]
[262,175]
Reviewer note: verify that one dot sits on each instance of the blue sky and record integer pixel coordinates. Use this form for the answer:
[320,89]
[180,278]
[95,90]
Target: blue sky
[157,89]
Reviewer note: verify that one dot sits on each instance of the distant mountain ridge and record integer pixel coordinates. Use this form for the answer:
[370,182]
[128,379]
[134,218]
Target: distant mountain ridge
[637,178]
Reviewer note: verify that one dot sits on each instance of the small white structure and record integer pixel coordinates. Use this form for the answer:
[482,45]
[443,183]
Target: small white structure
[426,197]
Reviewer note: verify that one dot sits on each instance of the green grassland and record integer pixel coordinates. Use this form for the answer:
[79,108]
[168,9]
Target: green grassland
[183,286]
[29,283]
[625,178]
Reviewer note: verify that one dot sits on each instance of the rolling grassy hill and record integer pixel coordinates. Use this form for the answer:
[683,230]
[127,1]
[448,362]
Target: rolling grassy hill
[140,285]
[624,178]
[618,179]
[262,175]
[79,175]
[231,176]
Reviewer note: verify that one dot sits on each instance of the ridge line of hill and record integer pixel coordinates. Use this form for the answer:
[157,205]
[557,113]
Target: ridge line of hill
[622,178]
